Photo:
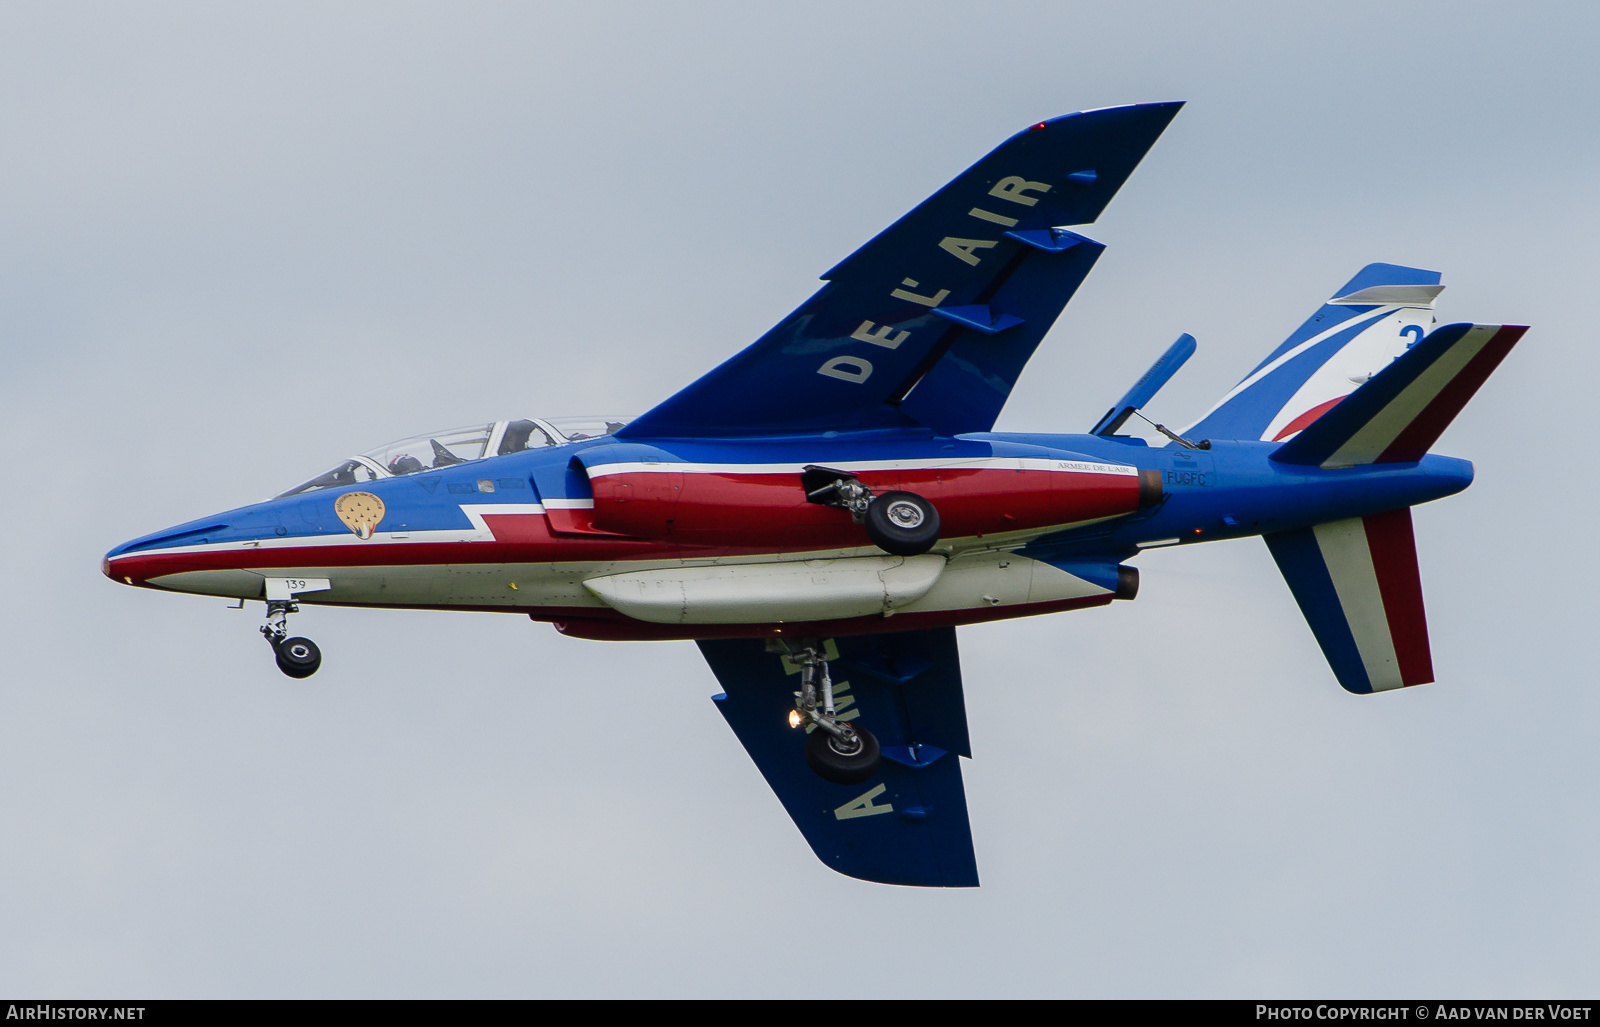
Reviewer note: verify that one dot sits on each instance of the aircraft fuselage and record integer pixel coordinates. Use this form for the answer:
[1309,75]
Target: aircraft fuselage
[709,538]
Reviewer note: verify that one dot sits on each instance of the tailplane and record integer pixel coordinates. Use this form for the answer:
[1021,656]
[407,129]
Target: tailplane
[1401,412]
[1357,582]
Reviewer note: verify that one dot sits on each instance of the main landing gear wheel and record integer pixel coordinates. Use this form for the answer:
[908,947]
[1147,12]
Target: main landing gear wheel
[834,759]
[298,657]
[837,751]
[902,523]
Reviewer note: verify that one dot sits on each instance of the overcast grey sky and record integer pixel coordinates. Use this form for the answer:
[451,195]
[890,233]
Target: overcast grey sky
[238,243]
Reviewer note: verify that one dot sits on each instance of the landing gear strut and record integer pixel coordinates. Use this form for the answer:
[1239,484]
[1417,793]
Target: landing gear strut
[297,657]
[901,523]
[837,751]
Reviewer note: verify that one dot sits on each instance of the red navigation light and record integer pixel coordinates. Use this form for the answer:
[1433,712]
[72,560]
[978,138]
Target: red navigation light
[1035,128]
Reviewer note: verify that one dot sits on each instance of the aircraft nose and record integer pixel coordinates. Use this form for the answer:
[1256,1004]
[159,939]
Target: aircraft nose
[110,570]
[133,561]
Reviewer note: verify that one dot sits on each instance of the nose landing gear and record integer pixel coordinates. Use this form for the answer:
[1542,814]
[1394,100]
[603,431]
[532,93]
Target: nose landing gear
[297,657]
[836,750]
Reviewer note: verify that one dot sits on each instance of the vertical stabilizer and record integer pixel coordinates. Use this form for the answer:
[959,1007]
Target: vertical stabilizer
[1375,317]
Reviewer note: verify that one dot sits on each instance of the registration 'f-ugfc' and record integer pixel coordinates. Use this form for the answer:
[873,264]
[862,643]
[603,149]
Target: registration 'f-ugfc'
[821,511]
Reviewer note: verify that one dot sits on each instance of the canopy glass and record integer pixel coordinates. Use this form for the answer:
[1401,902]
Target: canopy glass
[459,446]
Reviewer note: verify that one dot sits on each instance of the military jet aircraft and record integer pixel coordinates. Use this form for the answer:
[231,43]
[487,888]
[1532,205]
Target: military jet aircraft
[820,512]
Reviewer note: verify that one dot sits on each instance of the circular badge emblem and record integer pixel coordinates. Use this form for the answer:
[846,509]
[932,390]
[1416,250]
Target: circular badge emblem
[360,512]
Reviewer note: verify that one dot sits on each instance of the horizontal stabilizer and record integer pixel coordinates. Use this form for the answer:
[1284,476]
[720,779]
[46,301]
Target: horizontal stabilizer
[907,824]
[1357,582]
[1403,409]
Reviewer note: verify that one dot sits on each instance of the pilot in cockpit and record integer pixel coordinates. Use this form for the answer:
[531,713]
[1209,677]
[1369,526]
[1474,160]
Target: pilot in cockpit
[405,463]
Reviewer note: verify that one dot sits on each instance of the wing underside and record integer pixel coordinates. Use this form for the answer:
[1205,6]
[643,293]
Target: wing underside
[930,323]
[907,824]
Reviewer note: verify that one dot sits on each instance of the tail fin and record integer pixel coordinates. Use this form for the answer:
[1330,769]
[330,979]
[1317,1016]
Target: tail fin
[1379,313]
[1356,580]
[1357,583]
[1400,413]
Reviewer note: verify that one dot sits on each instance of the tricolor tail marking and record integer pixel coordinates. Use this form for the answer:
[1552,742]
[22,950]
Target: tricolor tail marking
[1358,584]
[1398,414]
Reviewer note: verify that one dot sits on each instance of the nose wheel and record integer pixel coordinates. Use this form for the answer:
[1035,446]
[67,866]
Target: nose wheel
[836,750]
[297,657]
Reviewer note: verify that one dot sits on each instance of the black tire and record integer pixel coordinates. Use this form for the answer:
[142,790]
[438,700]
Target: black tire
[902,523]
[824,757]
[298,657]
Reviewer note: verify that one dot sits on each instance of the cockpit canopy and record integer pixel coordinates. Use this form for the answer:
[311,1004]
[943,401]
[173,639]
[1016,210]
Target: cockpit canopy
[459,446]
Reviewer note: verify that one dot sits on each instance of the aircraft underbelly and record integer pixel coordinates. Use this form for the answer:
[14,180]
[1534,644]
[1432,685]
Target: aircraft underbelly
[988,580]
[748,590]
[515,586]
[762,593]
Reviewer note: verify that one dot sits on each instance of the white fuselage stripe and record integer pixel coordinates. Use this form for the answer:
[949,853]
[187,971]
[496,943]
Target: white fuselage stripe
[986,463]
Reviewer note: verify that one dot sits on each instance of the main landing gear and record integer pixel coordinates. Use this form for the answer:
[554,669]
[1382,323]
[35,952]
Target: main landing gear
[297,657]
[837,751]
[901,523]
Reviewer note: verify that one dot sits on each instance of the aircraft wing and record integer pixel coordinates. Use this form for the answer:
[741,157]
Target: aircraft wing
[907,824]
[931,322]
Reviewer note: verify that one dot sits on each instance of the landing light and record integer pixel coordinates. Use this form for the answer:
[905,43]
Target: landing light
[794,718]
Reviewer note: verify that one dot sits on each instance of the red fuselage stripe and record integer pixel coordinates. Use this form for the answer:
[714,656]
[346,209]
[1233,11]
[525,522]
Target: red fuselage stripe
[1394,559]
